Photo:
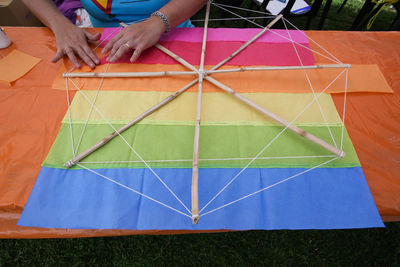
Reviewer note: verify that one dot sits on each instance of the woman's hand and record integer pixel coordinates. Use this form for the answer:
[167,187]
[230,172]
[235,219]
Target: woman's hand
[74,42]
[137,37]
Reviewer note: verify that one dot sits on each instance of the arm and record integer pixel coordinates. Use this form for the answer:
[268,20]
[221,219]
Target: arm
[71,40]
[145,34]
[177,11]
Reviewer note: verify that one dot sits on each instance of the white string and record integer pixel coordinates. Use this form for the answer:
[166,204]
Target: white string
[244,9]
[270,143]
[102,41]
[266,13]
[133,190]
[257,157]
[105,39]
[230,19]
[282,36]
[344,108]
[134,151]
[237,15]
[309,38]
[338,61]
[190,160]
[90,111]
[307,48]
[69,116]
[268,187]
[69,106]
[310,84]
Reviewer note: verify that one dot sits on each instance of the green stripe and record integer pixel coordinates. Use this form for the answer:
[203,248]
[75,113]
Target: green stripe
[167,142]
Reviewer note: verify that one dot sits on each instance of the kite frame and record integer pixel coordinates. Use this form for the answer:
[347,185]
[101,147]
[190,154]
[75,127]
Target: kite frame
[205,75]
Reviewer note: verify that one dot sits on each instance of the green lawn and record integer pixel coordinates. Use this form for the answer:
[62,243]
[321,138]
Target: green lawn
[362,247]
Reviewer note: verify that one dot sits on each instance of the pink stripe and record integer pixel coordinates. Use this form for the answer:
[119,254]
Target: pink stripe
[278,54]
[195,35]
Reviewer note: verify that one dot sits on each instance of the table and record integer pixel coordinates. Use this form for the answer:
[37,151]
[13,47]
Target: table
[30,106]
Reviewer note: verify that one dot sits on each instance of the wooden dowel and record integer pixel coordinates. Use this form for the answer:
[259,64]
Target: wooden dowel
[195,204]
[297,130]
[240,49]
[332,66]
[195,166]
[107,139]
[176,57]
[126,74]
[178,73]
[244,46]
[275,117]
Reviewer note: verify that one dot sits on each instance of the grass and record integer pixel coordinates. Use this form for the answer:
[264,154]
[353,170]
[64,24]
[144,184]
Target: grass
[359,247]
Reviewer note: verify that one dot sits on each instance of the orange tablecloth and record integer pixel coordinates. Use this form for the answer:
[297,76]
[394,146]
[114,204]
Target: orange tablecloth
[30,112]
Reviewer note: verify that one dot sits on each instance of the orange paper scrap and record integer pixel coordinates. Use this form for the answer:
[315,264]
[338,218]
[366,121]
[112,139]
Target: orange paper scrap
[15,65]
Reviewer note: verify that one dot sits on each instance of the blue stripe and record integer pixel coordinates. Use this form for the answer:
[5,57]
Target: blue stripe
[323,198]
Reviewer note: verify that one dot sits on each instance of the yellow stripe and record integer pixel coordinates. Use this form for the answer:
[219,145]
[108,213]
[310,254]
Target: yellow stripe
[218,108]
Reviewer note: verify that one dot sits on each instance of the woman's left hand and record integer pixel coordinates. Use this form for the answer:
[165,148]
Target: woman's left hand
[137,37]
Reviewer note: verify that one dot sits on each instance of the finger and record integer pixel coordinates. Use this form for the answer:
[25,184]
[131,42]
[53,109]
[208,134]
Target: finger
[71,55]
[92,37]
[111,43]
[90,53]
[122,50]
[58,56]
[136,54]
[82,54]
[117,46]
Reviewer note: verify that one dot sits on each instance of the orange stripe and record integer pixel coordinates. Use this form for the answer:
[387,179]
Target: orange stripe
[362,78]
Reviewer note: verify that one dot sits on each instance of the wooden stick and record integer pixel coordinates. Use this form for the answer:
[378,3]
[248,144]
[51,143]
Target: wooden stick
[240,49]
[175,56]
[195,209]
[275,117]
[107,139]
[126,74]
[148,112]
[177,73]
[249,42]
[266,112]
[195,168]
[242,69]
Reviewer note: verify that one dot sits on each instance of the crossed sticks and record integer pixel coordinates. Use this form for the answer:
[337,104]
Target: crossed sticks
[204,75]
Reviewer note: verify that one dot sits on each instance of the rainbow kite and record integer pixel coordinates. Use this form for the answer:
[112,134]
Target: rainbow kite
[253,172]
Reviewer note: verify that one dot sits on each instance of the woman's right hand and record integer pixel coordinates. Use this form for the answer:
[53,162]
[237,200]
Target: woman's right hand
[73,42]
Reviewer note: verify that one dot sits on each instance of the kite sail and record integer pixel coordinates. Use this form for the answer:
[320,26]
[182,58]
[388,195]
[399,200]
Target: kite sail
[253,172]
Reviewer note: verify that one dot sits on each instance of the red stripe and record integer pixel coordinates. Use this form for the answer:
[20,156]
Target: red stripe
[256,54]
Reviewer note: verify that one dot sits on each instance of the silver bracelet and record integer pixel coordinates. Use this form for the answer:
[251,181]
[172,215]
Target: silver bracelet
[164,19]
